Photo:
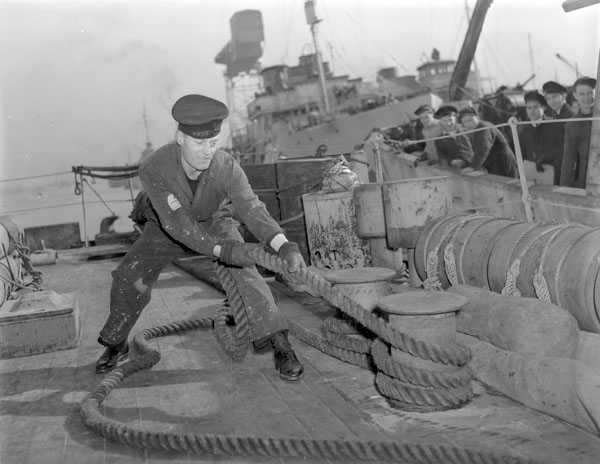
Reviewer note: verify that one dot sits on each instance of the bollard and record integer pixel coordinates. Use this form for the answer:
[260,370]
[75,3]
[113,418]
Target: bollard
[365,285]
[425,316]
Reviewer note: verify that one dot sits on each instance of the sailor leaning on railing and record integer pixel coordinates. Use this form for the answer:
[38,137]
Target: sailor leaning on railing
[487,149]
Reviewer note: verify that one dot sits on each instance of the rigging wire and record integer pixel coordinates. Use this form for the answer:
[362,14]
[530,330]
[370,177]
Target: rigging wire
[62,205]
[371,37]
[503,67]
[288,31]
[456,42]
[35,177]
[331,29]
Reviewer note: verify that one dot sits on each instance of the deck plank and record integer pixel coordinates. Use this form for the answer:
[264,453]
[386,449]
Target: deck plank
[195,388]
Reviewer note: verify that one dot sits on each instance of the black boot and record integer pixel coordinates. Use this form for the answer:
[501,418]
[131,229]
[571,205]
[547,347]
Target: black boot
[111,357]
[286,361]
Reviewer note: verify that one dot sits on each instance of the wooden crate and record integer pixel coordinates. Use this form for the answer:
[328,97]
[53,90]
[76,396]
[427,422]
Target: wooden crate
[295,178]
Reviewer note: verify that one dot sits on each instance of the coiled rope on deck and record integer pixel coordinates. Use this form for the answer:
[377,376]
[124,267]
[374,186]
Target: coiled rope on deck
[290,447]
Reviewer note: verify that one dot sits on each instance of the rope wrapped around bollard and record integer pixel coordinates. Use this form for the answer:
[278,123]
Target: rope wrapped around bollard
[284,447]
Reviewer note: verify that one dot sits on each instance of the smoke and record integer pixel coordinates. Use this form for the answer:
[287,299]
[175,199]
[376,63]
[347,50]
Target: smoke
[74,92]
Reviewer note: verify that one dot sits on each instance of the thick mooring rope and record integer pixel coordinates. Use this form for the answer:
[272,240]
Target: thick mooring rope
[292,447]
[235,345]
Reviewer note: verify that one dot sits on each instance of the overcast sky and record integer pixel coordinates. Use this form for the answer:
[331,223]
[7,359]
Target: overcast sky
[75,75]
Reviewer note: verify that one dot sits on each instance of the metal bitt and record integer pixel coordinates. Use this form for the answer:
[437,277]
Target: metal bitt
[429,318]
[525,197]
[364,285]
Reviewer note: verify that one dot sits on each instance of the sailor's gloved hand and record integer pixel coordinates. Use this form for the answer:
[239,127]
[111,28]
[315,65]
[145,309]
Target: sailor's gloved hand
[539,167]
[457,163]
[237,253]
[290,253]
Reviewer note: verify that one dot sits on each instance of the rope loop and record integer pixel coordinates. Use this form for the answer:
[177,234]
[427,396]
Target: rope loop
[541,287]
[432,282]
[510,287]
[450,263]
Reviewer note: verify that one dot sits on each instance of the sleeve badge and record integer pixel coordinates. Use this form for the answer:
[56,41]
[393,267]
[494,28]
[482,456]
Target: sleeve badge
[173,202]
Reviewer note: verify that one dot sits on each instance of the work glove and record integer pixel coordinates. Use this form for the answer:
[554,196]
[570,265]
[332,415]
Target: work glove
[539,167]
[457,163]
[290,253]
[237,253]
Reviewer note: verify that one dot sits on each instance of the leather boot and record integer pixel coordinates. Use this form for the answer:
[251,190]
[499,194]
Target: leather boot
[286,361]
[111,357]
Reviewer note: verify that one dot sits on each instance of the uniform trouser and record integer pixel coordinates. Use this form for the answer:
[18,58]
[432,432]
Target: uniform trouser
[557,166]
[154,249]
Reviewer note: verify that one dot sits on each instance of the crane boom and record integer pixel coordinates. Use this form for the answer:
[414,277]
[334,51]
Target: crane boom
[573,67]
[460,75]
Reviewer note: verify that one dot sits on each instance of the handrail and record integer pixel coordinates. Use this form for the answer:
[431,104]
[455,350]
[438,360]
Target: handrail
[35,177]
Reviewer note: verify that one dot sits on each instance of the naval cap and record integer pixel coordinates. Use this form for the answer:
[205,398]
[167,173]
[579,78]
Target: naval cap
[199,116]
[534,95]
[422,109]
[467,110]
[553,87]
[589,81]
[445,110]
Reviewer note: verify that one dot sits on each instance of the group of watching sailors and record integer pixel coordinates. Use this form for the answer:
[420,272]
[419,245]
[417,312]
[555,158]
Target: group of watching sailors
[564,145]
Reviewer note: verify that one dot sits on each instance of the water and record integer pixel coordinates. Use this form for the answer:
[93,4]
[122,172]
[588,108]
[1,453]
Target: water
[52,201]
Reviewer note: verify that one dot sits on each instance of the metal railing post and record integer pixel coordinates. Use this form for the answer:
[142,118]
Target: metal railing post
[525,197]
[85,235]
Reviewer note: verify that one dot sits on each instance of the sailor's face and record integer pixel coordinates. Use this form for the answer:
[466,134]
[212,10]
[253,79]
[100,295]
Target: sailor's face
[585,97]
[448,122]
[426,118]
[469,121]
[197,153]
[555,100]
[534,110]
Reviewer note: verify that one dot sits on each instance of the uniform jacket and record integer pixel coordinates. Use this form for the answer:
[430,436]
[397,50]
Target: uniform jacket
[541,144]
[456,147]
[223,186]
[430,132]
[492,152]
[565,113]
[576,152]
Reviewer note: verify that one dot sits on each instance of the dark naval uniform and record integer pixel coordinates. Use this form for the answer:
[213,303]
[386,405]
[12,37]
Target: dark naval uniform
[492,152]
[197,222]
[576,152]
[457,147]
[565,112]
[543,144]
[199,206]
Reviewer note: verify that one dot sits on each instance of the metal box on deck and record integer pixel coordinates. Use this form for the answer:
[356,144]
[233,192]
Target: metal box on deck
[39,322]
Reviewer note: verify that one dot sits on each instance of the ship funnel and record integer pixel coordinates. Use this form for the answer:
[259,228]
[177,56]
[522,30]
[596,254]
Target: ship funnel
[242,52]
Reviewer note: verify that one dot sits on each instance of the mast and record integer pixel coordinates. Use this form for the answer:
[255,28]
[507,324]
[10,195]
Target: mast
[311,19]
[467,52]
[531,63]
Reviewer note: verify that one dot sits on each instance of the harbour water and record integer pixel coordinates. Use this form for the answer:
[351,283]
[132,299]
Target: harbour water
[52,201]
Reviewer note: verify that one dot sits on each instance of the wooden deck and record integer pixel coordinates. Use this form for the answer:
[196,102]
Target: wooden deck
[195,388]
